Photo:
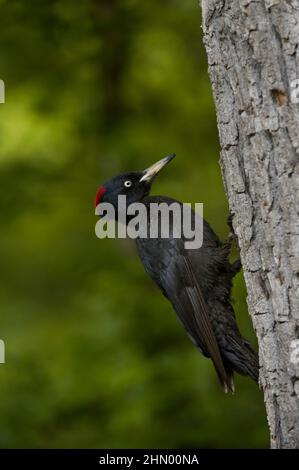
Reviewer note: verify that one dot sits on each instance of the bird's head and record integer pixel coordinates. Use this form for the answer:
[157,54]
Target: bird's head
[134,185]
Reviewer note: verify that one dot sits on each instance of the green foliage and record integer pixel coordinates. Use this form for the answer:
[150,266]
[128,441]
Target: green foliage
[95,355]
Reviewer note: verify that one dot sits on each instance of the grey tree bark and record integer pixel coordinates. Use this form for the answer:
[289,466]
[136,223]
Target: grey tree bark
[253,57]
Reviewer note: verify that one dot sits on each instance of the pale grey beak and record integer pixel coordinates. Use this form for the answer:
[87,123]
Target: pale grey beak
[152,171]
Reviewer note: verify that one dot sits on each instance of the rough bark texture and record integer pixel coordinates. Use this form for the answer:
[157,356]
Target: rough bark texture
[253,56]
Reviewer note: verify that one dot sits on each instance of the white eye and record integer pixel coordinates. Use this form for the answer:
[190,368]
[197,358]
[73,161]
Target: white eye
[128,183]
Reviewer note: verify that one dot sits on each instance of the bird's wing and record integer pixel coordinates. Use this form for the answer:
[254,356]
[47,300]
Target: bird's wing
[181,286]
[184,276]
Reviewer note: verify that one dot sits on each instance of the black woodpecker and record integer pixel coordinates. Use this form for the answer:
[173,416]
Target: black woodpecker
[197,282]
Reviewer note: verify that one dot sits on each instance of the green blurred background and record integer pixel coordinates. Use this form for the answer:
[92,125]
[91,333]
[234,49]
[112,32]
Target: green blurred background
[95,355]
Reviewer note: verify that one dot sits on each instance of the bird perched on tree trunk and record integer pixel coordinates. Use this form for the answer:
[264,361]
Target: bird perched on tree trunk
[197,282]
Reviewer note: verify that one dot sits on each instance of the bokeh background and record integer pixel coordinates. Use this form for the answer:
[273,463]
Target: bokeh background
[95,355]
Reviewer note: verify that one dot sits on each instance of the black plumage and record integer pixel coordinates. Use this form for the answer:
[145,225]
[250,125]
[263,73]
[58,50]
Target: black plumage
[197,282]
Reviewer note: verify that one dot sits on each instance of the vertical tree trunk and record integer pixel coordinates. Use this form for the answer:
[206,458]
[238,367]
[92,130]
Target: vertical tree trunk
[253,55]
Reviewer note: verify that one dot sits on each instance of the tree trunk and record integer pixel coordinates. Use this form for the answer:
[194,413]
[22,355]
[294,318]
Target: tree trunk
[253,56]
